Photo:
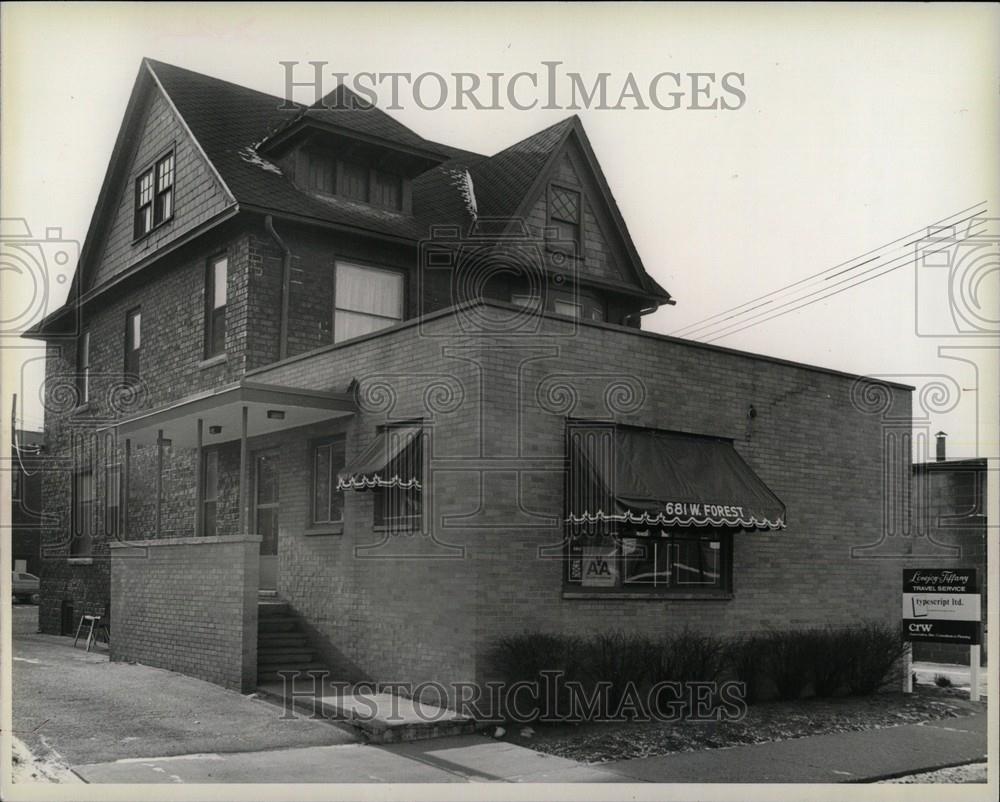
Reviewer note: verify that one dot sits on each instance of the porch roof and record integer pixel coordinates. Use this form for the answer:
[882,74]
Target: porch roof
[270,408]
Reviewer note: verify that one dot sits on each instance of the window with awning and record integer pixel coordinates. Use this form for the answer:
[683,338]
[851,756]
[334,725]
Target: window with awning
[392,468]
[655,511]
[653,478]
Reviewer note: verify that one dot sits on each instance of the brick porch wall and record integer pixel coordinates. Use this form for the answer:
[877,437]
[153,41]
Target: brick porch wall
[188,605]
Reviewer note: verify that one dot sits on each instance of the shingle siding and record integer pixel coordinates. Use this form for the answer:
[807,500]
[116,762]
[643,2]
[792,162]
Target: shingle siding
[198,194]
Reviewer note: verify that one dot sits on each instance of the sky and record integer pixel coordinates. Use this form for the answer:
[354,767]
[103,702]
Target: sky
[861,126]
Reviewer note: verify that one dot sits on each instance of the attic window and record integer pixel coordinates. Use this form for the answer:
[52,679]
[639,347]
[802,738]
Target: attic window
[354,180]
[564,214]
[154,195]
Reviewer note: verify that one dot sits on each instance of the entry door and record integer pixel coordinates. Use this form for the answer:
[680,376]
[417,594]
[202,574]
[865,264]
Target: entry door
[266,515]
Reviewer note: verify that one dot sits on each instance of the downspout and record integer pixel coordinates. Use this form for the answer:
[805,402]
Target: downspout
[286,284]
[641,313]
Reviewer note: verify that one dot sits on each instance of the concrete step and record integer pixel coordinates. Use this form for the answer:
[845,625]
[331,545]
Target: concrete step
[271,608]
[267,657]
[275,640]
[278,623]
[270,673]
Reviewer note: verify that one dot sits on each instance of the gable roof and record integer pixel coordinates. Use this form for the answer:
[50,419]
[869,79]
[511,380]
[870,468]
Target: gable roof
[230,123]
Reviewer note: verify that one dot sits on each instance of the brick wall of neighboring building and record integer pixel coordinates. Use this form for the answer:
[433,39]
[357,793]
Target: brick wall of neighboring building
[188,605]
[950,509]
[816,438]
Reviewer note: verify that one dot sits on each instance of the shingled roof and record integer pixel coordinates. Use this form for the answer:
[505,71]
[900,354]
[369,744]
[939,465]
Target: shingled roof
[233,124]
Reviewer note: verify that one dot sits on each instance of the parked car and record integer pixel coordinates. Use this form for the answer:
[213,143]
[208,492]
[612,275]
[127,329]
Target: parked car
[24,587]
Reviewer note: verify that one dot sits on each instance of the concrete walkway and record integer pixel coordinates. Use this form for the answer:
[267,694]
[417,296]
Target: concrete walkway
[467,758]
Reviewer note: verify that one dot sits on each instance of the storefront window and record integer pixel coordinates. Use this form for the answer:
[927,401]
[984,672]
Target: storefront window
[651,561]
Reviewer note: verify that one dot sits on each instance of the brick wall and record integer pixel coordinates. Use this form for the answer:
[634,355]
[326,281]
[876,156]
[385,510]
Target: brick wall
[430,607]
[188,605]
[171,366]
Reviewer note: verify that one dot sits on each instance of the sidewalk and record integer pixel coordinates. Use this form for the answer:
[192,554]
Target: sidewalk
[835,758]
[114,722]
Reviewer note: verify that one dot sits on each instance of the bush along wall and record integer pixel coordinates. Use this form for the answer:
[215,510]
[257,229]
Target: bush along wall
[690,675]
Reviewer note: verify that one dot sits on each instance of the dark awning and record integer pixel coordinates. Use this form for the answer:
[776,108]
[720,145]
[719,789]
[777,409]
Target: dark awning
[655,478]
[392,460]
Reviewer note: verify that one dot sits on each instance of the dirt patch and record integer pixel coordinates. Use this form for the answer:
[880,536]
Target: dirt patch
[768,721]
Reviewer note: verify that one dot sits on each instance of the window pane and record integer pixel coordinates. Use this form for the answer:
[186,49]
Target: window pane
[218,339]
[321,173]
[321,484]
[529,301]
[338,459]
[565,205]
[220,271]
[267,479]
[354,181]
[135,330]
[646,561]
[567,308]
[210,489]
[369,290]
[210,524]
[165,173]
[387,190]
[696,562]
[165,205]
[351,324]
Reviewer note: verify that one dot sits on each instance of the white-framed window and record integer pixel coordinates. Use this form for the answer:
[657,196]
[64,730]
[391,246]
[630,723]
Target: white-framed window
[154,195]
[366,299]
[83,367]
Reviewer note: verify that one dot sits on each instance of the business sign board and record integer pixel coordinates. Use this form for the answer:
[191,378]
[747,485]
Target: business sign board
[941,605]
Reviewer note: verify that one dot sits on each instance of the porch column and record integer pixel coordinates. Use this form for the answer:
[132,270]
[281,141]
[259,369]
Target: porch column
[244,511]
[199,482]
[159,479]
[125,490]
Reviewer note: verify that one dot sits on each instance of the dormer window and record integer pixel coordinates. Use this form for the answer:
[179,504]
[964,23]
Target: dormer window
[154,195]
[354,181]
[351,179]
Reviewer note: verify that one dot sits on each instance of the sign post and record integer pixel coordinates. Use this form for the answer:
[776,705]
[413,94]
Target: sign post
[942,605]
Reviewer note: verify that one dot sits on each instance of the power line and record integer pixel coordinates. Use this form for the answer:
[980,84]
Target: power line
[733,313]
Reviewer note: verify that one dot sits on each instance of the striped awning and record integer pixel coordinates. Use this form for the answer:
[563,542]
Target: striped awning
[655,478]
[393,459]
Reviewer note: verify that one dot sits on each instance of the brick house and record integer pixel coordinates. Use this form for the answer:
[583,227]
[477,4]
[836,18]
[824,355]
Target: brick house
[381,380]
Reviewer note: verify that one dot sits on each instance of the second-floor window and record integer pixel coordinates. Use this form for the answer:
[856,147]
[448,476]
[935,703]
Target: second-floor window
[133,341]
[83,367]
[366,299]
[154,195]
[215,306]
